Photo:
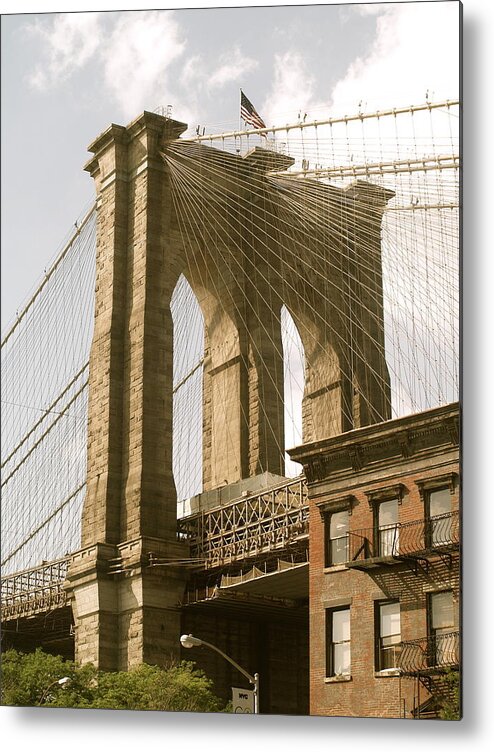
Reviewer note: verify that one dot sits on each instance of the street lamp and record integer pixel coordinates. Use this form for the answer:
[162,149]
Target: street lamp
[61,682]
[189,641]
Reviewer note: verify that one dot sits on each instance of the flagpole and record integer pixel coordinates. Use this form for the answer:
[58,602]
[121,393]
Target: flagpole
[239,117]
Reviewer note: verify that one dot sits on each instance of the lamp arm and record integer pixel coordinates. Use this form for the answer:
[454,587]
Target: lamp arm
[46,690]
[230,660]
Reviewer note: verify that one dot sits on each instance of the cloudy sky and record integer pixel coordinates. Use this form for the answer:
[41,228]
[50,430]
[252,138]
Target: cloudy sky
[45,132]
[67,76]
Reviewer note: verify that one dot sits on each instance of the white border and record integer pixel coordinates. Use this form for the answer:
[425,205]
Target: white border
[76,730]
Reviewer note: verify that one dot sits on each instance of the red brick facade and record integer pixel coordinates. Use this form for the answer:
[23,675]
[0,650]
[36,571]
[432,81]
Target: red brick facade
[403,459]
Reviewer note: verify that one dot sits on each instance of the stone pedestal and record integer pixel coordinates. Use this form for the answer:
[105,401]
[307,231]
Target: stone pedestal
[124,601]
[125,610]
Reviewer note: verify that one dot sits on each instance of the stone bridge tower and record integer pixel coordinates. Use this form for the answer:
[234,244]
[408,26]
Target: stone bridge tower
[126,612]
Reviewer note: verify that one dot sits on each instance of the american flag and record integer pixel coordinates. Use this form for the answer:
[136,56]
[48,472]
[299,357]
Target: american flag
[249,114]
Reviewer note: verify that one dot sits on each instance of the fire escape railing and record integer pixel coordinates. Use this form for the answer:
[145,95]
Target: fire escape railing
[34,590]
[430,654]
[421,537]
[248,527]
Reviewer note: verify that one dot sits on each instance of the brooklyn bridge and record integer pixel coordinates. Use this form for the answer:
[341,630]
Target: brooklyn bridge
[233,310]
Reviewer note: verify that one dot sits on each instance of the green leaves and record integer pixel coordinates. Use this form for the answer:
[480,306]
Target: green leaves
[32,679]
[26,679]
[451,709]
[180,687]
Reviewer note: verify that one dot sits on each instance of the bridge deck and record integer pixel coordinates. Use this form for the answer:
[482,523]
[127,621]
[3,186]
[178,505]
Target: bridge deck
[34,591]
[247,528]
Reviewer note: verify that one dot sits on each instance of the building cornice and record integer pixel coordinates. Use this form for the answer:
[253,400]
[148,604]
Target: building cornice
[363,449]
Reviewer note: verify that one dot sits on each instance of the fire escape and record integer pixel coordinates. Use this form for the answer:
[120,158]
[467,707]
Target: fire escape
[429,658]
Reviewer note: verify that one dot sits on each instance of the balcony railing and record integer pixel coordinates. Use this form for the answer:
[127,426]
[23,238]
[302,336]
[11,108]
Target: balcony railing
[430,654]
[425,537]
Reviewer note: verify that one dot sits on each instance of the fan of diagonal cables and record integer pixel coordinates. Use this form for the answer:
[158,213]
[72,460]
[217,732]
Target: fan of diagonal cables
[414,154]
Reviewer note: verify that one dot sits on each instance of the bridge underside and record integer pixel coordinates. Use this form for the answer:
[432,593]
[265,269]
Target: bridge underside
[269,637]
[257,611]
[52,631]
[259,619]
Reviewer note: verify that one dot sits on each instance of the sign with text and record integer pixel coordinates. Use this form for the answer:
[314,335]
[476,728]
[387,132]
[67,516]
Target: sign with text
[243,700]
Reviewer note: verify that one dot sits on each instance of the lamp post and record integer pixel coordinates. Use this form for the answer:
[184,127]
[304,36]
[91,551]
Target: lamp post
[61,682]
[189,641]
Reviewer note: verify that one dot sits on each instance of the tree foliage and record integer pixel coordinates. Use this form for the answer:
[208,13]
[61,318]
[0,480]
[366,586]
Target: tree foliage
[451,707]
[33,679]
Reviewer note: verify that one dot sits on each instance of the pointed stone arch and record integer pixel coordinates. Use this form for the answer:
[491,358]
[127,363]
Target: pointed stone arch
[293,387]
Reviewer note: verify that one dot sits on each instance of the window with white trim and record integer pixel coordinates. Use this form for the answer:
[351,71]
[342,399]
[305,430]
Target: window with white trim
[388,528]
[388,625]
[338,642]
[439,516]
[336,534]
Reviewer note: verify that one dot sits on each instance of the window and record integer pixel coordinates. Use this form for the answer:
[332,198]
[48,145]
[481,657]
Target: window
[385,503]
[387,528]
[439,517]
[338,642]
[336,532]
[389,635]
[444,638]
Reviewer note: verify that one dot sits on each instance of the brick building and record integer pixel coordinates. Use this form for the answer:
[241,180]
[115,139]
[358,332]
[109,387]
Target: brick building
[384,582]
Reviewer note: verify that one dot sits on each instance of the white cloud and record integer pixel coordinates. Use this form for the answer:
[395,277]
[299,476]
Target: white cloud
[415,50]
[135,51]
[292,90]
[70,41]
[137,56]
[193,71]
[369,9]
[197,79]
[233,66]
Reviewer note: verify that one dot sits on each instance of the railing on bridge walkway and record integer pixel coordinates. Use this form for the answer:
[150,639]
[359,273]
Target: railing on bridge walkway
[266,522]
[33,591]
[252,526]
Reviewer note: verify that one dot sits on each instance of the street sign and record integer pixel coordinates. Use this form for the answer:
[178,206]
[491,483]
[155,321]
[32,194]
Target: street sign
[243,700]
